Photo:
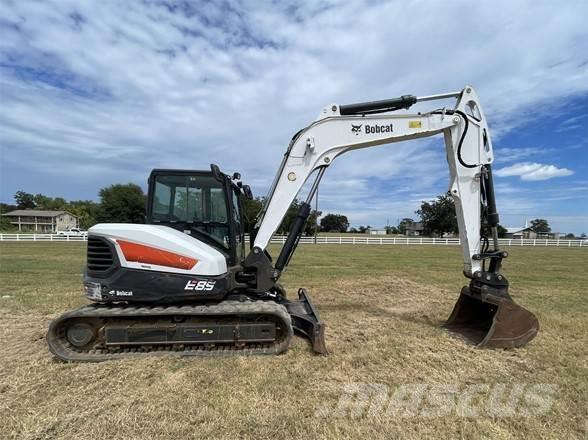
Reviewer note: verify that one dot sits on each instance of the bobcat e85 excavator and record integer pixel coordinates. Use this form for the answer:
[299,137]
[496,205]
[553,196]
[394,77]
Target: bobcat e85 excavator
[184,283]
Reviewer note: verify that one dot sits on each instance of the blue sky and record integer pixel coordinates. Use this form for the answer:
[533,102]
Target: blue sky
[94,93]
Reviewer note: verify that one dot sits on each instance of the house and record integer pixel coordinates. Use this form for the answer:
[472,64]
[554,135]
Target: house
[32,220]
[373,231]
[525,232]
[551,235]
[414,229]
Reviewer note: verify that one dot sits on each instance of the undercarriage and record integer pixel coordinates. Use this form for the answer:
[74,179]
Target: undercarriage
[99,332]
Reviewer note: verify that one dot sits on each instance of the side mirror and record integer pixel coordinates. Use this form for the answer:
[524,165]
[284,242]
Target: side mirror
[247,192]
[216,172]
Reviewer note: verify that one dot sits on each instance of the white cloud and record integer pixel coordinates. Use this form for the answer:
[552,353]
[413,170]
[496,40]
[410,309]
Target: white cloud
[104,91]
[533,171]
[512,154]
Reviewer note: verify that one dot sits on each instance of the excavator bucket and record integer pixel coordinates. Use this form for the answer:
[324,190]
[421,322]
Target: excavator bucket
[491,321]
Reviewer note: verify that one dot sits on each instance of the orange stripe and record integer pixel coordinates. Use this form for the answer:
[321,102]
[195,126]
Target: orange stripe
[146,254]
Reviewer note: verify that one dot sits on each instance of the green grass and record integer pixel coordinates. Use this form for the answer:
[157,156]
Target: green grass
[383,306]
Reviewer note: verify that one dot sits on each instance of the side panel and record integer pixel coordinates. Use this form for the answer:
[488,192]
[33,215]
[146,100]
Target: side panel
[145,286]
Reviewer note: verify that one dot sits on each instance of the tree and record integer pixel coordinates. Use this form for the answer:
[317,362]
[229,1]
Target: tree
[122,204]
[570,236]
[50,203]
[438,216]
[310,228]
[487,232]
[24,200]
[391,230]
[404,223]
[289,217]
[363,229]
[540,226]
[334,223]
[5,207]
[250,210]
[86,211]
[502,231]
[5,225]
[583,235]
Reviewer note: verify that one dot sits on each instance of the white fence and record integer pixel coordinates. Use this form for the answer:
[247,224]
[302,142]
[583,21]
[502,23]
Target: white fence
[339,239]
[41,237]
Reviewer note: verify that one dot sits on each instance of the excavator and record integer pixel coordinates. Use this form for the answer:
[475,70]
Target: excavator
[185,283]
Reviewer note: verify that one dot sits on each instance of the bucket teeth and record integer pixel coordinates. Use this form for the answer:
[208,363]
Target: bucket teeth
[492,321]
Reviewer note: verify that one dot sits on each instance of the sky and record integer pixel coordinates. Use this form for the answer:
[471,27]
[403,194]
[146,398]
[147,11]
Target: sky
[95,93]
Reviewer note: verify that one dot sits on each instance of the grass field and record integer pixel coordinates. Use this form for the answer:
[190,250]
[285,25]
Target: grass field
[383,306]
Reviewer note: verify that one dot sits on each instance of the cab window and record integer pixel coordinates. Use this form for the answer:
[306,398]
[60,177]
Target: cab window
[196,202]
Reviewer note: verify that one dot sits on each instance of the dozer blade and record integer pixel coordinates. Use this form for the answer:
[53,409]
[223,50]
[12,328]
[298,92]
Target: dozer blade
[307,322]
[491,321]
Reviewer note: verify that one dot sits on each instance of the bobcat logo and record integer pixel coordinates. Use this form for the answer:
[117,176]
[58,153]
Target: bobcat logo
[356,129]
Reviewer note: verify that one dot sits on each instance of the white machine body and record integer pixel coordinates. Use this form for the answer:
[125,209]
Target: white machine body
[209,261]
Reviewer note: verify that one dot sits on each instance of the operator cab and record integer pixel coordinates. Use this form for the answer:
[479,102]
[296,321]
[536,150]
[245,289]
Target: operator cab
[206,205]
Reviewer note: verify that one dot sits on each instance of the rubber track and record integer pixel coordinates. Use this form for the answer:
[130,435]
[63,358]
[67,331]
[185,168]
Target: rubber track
[61,348]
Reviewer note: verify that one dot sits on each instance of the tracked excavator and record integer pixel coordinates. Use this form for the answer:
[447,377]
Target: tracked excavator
[184,283]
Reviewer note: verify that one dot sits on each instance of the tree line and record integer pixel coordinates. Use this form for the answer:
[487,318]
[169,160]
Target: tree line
[125,203]
[119,203]
[436,218]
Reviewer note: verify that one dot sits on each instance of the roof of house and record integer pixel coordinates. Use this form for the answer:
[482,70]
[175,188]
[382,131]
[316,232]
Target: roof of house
[515,230]
[416,226]
[35,213]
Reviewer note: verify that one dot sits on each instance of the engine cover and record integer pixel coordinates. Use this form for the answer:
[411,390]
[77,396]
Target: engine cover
[160,248]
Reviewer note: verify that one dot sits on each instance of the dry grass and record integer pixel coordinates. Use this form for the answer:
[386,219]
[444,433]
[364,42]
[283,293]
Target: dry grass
[383,306]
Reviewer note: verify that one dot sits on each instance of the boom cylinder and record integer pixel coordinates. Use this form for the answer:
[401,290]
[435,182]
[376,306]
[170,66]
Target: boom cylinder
[299,222]
[292,239]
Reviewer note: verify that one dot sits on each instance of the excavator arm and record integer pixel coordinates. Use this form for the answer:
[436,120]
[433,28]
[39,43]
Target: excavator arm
[340,129]
[343,128]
